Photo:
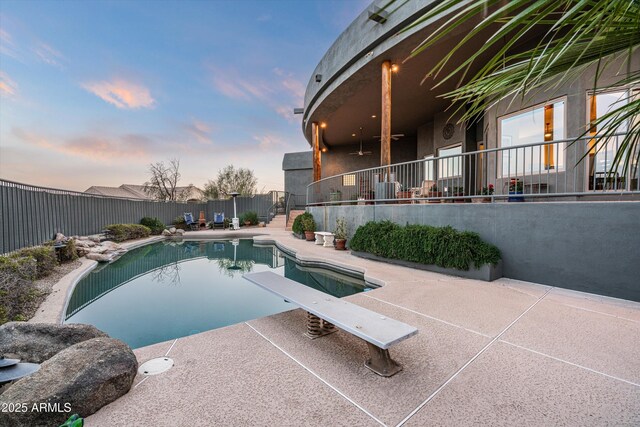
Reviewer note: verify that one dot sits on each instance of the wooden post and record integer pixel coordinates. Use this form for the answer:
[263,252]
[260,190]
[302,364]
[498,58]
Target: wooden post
[317,155]
[385,130]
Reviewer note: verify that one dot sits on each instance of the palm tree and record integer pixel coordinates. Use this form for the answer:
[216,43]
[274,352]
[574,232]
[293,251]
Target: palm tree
[576,34]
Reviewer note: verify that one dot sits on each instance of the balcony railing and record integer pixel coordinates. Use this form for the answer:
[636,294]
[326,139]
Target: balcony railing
[539,170]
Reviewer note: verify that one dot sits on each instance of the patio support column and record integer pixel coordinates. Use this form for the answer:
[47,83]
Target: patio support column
[385,117]
[317,155]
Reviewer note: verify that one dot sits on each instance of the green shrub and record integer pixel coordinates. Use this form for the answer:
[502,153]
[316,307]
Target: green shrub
[45,256]
[179,222]
[122,232]
[16,285]
[155,225]
[68,252]
[297,223]
[250,216]
[442,246]
[309,224]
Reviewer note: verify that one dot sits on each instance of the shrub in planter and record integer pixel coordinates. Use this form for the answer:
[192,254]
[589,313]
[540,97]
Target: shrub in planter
[340,234]
[154,224]
[441,246]
[297,227]
[122,232]
[309,226]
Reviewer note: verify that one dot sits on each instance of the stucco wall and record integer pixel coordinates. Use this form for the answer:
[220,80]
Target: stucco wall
[585,246]
[298,172]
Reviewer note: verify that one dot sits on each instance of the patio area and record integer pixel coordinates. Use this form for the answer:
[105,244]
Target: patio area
[500,353]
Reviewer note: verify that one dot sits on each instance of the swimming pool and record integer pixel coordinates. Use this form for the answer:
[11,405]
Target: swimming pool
[172,289]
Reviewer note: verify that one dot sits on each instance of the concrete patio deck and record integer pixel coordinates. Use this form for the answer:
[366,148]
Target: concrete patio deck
[500,353]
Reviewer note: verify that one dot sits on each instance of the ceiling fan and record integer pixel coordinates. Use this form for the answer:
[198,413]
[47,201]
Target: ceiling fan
[361,153]
[395,136]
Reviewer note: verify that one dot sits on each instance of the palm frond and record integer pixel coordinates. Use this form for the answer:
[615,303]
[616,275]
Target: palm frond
[572,35]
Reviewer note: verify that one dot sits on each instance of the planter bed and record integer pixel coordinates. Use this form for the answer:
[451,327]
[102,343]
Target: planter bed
[487,272]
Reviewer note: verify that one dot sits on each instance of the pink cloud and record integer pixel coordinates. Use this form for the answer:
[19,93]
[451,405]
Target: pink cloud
[121,93]
[48,54]
[93,147]
[281,93]
[267,142]
[230,84]
[8,87]
[7,46]
[200,131]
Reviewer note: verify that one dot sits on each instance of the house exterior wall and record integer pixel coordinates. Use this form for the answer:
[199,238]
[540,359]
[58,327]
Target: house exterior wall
[298,173]
[338,160]
[584,246]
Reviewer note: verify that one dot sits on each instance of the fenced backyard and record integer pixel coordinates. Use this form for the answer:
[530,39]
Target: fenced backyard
[31,215]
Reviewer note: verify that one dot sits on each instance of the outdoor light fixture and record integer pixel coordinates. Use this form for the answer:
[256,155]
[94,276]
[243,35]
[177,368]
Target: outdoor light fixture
[373,116]
[324,149]
[378,15]
[323,125]
[547,130]
[318,78]
[394,68]
[353,134]
[235,222]
[298,110]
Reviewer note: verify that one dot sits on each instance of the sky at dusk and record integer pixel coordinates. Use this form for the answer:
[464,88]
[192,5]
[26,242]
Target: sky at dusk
[92,92]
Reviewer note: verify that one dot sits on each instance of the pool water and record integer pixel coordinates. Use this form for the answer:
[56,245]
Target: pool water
[169,290]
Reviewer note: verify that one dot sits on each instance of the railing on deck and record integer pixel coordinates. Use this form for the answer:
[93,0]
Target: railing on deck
[538,170]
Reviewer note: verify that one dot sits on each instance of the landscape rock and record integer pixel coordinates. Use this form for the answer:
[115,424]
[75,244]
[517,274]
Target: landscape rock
[172,230]
[179,231]
[94,238]
[80,379]
[99,257]
[37,342]
[60,238]
[166,233]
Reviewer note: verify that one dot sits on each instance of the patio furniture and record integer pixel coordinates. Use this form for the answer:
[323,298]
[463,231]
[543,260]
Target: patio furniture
[218,220]
[325,313]
[191,223]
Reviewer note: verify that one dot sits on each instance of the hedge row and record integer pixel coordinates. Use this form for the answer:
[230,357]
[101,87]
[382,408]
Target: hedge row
[122,232]
[441,246]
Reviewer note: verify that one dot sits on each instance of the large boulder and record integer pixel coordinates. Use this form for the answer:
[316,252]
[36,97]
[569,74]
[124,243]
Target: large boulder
[80,379]
[37,342]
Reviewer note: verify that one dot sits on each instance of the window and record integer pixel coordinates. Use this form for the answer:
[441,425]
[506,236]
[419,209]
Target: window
[603,151]
[539,124]
[348,180]
[452,166]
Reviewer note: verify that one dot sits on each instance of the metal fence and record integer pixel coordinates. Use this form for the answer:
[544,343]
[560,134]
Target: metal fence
[31,215]
[539,170]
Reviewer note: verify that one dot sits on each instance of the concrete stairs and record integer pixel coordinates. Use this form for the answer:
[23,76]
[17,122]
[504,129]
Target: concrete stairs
[278,221]
[292,216]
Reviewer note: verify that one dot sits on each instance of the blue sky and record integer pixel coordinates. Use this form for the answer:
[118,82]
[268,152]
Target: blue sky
[92,92]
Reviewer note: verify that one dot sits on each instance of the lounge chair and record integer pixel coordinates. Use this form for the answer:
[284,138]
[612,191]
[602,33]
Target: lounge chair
[188,218]
[218,220]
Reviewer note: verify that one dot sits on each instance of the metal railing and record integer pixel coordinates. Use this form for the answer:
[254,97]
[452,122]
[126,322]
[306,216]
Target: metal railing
[540,170]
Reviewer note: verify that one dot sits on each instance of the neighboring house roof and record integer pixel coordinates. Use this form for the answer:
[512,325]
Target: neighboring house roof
[190,192]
